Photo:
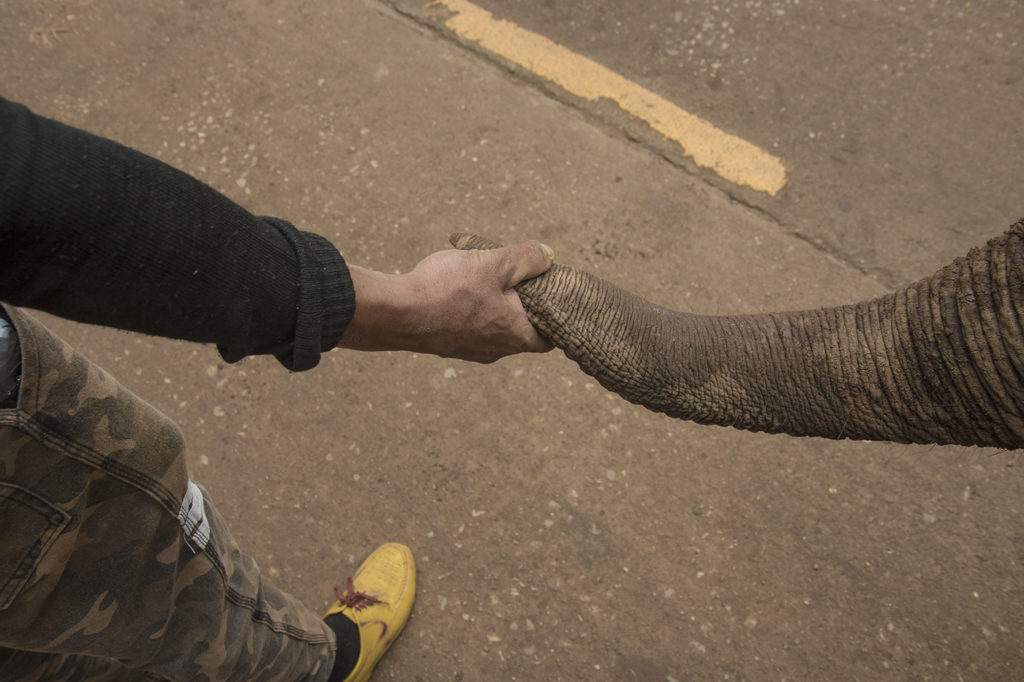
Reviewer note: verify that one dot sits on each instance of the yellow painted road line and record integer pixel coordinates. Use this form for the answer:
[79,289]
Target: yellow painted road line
[732,158]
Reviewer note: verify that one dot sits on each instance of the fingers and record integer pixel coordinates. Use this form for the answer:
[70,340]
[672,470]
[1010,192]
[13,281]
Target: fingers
[519,261]
[536,343]
[531,341]
[524,261]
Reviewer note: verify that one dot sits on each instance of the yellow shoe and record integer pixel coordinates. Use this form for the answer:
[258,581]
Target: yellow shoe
[378,598]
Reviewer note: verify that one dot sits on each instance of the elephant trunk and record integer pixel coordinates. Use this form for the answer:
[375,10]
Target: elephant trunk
[941,361]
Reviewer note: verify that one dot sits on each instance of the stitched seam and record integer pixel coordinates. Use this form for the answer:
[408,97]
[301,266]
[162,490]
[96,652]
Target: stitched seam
[249,604]
[35,428]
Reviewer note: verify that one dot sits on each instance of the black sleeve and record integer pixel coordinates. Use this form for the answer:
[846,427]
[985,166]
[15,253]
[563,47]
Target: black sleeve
[96,232]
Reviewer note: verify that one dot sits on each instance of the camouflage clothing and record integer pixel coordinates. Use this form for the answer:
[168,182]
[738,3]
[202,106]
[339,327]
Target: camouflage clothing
[113,564]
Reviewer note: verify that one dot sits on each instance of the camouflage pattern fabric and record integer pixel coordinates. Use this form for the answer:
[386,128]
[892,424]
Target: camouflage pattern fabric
[113,564]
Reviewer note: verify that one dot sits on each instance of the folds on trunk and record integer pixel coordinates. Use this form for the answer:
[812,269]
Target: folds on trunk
[940,361]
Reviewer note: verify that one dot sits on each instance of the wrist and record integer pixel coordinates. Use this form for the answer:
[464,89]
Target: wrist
[385,311]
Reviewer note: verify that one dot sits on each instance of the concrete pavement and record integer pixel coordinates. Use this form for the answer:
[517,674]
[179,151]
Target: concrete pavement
[562,533]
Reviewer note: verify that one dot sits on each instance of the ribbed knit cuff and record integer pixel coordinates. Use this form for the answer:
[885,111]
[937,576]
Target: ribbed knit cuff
[325,301]
[337,295]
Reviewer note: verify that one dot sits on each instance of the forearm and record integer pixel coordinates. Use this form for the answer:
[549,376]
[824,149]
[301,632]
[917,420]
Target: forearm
[99,233]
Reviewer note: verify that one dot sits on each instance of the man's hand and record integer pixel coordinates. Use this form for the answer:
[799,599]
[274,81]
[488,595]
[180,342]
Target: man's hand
[459,304]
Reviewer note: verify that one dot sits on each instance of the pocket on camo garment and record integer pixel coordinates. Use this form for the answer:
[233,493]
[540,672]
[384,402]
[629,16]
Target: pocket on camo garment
[28,526]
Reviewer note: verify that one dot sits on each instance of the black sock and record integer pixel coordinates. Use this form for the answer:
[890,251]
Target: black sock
[347,634]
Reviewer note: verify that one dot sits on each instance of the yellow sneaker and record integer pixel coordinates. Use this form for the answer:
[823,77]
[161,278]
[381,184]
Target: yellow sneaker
[378,598]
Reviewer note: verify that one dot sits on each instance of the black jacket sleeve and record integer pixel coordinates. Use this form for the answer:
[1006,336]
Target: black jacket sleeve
[96,232]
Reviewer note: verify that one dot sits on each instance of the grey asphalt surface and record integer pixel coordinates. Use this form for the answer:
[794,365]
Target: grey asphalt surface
[899,123]
[561,533]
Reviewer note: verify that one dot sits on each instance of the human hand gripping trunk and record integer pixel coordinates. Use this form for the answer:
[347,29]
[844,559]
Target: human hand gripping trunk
[940,361]
[459,304]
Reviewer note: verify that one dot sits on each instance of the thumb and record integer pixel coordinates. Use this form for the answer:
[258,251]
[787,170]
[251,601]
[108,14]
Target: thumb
[525,260]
